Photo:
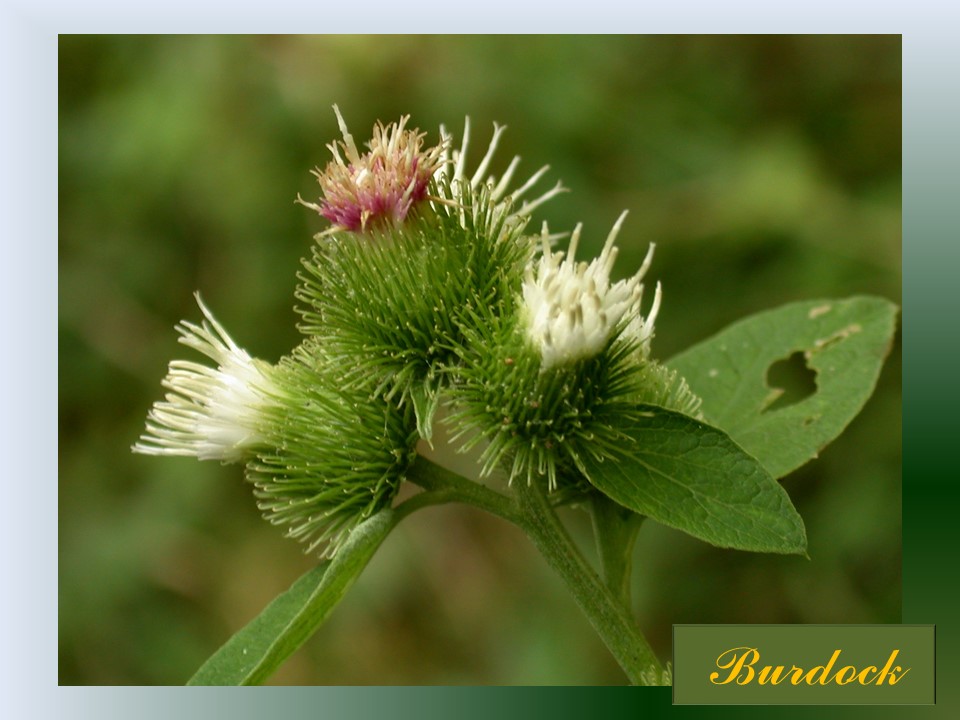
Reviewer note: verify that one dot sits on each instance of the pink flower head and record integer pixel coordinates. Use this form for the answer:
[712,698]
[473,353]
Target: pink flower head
[382,184]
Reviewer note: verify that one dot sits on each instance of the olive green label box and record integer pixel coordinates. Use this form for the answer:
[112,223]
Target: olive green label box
[804,665]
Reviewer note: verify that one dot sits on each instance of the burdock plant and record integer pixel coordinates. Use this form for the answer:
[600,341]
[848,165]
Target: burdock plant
[430,303]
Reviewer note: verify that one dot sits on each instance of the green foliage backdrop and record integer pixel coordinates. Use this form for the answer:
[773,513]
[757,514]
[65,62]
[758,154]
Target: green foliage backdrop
[766,169]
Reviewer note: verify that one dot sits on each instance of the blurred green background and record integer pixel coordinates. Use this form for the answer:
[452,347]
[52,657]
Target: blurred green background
[766,169]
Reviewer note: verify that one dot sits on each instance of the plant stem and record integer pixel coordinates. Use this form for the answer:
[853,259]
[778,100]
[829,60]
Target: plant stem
[608,616]
[442,483]
[531,511]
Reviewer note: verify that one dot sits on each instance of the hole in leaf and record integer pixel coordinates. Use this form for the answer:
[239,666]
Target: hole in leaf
[793,379]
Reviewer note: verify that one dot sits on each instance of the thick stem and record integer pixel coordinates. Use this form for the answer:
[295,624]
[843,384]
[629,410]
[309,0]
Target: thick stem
[606,613]
[439,481]
[531,511]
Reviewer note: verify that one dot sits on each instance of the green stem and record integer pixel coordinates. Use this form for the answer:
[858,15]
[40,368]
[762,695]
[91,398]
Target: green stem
[531,511]
[446,484]
[615,529]
[609,618]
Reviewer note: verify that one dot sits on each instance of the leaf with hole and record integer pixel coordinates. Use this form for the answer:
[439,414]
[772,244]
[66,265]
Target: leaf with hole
[843,341]
[693,477]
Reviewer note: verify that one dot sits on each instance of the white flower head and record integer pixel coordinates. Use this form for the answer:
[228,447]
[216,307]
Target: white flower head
[640,327]
[572,308]
[209,413]
[461,188]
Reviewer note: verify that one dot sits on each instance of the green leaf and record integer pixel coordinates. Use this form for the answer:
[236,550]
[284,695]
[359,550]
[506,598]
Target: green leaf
[252,654]
[694,478]
[843,341]
[426,399]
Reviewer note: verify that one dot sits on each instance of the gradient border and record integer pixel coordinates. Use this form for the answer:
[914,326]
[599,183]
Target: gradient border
[28,46]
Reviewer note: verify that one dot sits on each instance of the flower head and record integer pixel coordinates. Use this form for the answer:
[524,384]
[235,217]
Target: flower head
[458,190]
[334,455]
[381,184]
[572,308]
[499,189]
[640,327]
[209,413]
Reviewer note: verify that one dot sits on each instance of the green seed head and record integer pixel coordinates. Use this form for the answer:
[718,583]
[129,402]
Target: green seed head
[335,456]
